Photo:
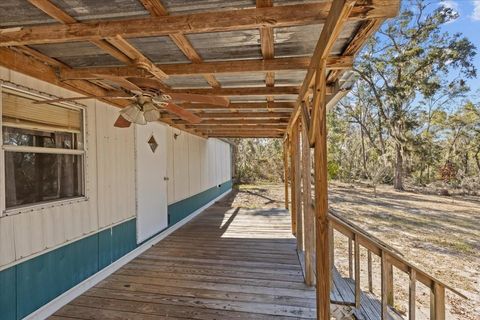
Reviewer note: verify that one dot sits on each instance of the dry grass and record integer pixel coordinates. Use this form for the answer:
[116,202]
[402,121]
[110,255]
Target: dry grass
[441,235]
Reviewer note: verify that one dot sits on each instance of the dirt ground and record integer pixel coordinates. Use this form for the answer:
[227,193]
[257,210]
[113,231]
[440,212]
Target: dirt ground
[438,234]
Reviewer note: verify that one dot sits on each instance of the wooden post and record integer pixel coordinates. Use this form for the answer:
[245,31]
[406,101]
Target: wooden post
[412,292]
[384,286]
[358,291]
[321,201]
[437,302]
[350,262]
[295,176]
[369,269]
[300,207]
[308,212]
[285,169]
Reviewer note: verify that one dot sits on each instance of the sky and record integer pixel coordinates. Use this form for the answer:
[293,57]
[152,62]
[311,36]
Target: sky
[468,24]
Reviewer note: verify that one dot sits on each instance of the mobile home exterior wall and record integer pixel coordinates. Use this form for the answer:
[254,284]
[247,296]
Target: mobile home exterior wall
[48,248]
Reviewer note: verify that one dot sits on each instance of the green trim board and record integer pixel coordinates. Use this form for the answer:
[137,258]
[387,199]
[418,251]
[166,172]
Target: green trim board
[31,284]
[183,208]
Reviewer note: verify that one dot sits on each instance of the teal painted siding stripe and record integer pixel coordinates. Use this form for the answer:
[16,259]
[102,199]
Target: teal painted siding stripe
[8,293]
[29,285]
[183,208]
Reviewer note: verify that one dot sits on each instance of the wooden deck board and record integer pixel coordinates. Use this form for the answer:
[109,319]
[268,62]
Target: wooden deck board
[228,263]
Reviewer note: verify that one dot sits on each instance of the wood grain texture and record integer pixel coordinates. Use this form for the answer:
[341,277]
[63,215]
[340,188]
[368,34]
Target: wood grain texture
[277,16]
[228,263]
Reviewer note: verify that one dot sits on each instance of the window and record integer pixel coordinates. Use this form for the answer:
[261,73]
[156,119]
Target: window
[43,150]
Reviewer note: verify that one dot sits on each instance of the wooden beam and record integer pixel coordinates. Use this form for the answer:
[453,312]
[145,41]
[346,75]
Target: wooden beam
[58,14]
[240,135]
[233,115]
[336,20]
[236,106]
[219,127]
[285,170]
[156,9]
[34,67]
[277,16]
[298,190]
[242,91]
[319,100]
[116,46]
[308,211]
[139,59]
[294,176]
[267,46]
[237,121]
[368,28]
[214,67]
[323,272]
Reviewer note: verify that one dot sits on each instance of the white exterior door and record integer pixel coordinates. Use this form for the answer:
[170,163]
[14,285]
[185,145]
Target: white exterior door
[151,170]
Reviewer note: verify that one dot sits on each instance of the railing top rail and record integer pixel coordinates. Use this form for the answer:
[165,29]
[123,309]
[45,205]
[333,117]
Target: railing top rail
[395,255]
[334,213]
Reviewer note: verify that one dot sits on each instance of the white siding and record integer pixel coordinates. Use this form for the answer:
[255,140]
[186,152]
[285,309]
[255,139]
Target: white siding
[115,168]
[193,165]
[26,233]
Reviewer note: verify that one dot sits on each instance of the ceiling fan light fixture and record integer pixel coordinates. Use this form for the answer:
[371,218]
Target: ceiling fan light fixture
[134,114]
[150,112]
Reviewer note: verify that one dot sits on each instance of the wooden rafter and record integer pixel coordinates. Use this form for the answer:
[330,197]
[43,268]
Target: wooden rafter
[238,121]
[214,67]
[237,106]
[243,91]
[281,126]
[157,9]
[336,20]
[245,115]
[278,16]
[267,46]
[116,45]
[33,66]
[249,91]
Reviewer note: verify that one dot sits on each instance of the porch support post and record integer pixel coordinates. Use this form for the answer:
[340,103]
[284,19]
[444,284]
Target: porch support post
[299,174]
[308,210]
[294,171]
[285,169]
[321,200]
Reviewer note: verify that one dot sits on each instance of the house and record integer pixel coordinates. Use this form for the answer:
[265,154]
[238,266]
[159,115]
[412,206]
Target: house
[83,191]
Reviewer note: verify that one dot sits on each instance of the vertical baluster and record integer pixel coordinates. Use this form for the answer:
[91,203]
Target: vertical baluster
[357,271]
[412,294]
[350,266]
[331,244]
[437,302]
[384,275]
[369,266]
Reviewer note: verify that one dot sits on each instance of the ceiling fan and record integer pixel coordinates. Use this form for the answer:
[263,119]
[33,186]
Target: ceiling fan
[148,97]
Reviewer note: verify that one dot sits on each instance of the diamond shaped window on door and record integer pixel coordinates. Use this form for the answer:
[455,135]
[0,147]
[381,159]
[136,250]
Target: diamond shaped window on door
[153,143]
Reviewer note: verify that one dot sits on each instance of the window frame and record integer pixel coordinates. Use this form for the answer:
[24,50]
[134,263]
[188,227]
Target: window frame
[36,95]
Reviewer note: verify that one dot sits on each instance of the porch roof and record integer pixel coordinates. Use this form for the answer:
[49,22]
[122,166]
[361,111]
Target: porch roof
[256,53]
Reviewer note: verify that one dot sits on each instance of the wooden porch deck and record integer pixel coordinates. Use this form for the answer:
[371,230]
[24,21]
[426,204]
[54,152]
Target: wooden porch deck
[227,263]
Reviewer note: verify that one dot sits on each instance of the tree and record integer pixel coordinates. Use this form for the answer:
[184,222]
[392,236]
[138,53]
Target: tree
[411,60]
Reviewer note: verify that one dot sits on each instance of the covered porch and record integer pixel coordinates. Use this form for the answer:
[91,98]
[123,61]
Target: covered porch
[227,263]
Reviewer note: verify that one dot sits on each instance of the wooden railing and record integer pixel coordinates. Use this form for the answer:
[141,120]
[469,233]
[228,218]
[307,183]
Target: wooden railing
[389,258]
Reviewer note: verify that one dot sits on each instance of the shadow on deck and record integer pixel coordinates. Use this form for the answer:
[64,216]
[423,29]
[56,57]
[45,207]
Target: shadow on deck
[227,263]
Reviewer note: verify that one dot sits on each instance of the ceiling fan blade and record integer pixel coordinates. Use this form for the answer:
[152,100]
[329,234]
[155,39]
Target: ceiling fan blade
[121,122]
[79,98]
[182,113]
[200,98]
[121,81]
